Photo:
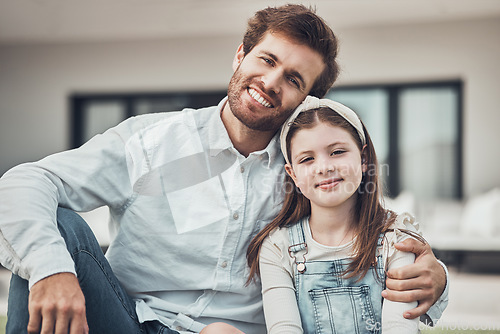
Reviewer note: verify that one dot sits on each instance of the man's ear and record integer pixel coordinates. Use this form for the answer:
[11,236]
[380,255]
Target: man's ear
[238,57]
[289,171]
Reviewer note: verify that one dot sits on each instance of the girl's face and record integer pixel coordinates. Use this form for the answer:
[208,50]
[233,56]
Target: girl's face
[326,165]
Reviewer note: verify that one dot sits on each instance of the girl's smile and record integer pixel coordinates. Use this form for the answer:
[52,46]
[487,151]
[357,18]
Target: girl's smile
[329,183]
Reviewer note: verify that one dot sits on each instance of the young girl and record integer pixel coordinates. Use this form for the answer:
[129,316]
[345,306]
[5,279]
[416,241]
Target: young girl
[323,260]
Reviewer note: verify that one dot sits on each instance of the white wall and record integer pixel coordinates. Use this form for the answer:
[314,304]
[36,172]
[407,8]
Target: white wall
[469,51]
[36,80]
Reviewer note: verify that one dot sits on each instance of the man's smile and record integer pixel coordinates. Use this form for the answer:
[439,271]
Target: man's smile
[259,98]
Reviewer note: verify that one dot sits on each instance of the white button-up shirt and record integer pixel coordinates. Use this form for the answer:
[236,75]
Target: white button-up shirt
[184,205]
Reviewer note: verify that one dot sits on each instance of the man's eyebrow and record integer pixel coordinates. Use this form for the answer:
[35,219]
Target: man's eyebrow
[293,73]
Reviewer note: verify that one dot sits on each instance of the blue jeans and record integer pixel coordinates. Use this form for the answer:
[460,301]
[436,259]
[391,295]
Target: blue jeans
[108,307]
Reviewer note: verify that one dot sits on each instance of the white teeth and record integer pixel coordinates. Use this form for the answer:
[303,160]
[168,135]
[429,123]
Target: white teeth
[257,97]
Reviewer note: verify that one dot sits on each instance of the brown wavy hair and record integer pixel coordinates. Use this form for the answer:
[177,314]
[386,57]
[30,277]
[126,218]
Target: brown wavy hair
[302,25]
[370,217]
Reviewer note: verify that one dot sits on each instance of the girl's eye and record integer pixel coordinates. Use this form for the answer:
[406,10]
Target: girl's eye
[303,160]
[337,152]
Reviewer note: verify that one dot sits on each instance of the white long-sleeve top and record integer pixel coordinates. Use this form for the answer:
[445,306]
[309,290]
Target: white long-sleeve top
[277,271]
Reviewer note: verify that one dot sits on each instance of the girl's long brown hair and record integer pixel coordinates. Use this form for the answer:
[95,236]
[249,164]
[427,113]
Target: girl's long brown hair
[370,217]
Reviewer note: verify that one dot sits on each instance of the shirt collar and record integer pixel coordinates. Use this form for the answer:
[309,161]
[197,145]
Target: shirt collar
[219,139]
[274,152]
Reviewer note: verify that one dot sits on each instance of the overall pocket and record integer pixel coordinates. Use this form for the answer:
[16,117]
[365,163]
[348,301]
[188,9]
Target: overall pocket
[344,310]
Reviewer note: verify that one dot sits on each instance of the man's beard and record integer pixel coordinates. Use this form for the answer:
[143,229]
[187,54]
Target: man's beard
[270,122]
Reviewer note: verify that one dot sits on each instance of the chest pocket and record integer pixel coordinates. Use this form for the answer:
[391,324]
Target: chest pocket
[344,310]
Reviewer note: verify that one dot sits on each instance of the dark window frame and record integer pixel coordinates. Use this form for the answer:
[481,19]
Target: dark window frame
[78,101]
[393,90]
[199,99]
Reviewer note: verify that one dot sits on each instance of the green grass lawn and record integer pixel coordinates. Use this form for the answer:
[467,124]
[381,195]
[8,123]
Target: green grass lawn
[456,331]
[437,330]
[3,320]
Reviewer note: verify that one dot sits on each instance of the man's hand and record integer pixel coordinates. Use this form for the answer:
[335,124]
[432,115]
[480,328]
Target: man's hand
[423,281]
[57,305]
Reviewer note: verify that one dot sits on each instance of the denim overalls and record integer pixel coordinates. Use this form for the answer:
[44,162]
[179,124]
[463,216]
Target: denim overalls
[329,303]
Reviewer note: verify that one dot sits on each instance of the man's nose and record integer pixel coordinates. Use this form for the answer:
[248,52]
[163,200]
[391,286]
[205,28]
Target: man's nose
[273,80]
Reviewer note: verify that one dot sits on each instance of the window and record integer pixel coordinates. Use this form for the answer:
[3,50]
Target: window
[95,113]
[416,130]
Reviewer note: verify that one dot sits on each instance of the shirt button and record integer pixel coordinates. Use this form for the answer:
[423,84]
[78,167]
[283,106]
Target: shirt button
[242,169]
[223,264]
[236,216]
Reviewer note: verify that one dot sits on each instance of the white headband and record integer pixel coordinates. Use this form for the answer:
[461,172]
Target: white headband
[311,102]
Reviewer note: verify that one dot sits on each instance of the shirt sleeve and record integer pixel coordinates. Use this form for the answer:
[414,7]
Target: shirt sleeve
[407,221]
[278,293]
[83,179]
[392,312]
[436,311]
[393,321]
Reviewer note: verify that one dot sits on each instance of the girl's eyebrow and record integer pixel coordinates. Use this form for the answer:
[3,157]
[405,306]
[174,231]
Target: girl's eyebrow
[304,152]
[330,146]
[338,143]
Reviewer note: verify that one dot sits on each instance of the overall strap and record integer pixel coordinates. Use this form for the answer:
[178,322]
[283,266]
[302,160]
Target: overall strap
[297,237]
[297,244]
[380,241]
[380,262]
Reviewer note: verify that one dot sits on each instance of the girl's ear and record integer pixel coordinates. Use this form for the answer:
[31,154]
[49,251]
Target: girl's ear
[238,57]
[364,160]
[289,171]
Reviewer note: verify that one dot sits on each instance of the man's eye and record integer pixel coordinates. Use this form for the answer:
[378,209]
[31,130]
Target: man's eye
[294,82]
[269,61]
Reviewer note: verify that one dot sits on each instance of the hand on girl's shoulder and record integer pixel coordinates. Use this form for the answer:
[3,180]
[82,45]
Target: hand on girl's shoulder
[405,226]
[406,222]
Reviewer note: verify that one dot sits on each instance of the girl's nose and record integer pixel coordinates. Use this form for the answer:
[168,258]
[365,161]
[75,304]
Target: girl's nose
[324,166]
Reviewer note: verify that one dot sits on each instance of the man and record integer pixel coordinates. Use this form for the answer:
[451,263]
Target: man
[186,192]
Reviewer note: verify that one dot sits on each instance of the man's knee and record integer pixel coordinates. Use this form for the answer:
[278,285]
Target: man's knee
[75,231]
[70,220]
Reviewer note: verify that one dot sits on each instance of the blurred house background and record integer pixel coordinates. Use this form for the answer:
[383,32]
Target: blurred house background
[424,75]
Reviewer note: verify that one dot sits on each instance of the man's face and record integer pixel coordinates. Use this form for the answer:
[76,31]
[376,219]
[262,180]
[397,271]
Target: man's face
[271,81]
